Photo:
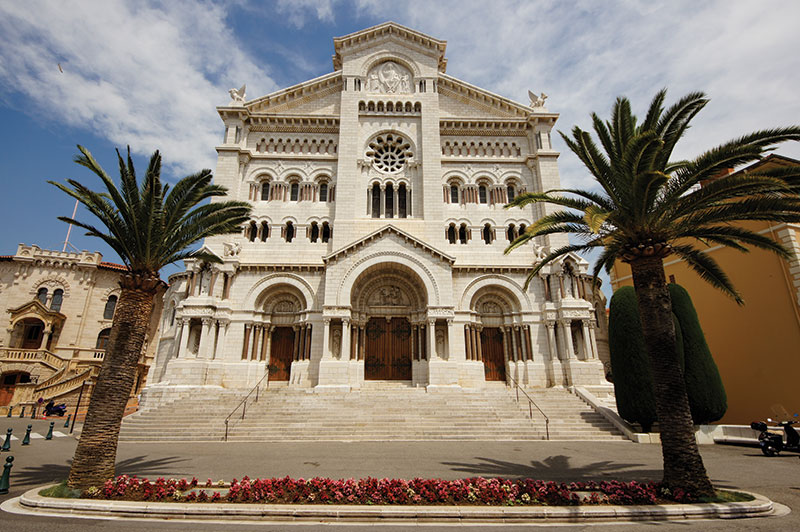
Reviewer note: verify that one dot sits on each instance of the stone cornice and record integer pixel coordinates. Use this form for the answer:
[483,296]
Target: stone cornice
[320,86]
[281,267]
[501,127]
[284,123]
[449,85]
[420,40]
[378,234]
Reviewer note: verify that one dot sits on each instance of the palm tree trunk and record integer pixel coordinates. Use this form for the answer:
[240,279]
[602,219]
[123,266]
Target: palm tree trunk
[96,453]
[683,466]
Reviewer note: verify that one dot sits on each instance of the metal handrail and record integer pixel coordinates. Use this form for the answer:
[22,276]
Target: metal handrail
[243,402]
[531,404]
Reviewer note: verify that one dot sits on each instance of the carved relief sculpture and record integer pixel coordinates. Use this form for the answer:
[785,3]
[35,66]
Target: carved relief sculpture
[389,78]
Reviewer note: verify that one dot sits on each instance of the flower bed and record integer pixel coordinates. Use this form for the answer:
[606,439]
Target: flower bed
[418,491]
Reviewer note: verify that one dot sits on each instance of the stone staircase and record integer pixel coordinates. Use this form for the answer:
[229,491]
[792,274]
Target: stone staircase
[378,412]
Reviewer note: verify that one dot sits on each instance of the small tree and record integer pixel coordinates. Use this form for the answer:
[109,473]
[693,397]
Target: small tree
[707,399]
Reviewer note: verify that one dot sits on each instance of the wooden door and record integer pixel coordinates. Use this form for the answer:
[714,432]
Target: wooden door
[388,349]
[280,358]
[6,393]
[494,364]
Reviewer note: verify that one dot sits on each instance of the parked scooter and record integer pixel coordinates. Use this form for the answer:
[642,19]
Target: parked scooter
[772,443]
[55,410]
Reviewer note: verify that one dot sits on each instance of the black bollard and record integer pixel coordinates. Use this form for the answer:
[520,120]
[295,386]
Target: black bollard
[7,444]
[6,475]
[66,425]
[9,411]
[50,432]
[33,413]
[27,439]
[22,412]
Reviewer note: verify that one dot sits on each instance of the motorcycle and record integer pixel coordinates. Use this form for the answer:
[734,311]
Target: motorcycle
[55,410]
[772,443]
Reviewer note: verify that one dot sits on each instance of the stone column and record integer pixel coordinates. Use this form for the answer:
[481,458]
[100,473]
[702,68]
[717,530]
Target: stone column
[267,342]
[344,353]
[414,352]
[551,340]
[296,343]
[326,336]
[431,339]
[468,341]
[528,343]
[45,337]
[184,338]
[309,332]
[450,339]
[506,356]
[223,332]
[423,354]
[205,335]
[593,339]
[363,342]
[383,202]
[301,342]
[566,327]
[587,341]
[478,343]
[257,329]
[514,347]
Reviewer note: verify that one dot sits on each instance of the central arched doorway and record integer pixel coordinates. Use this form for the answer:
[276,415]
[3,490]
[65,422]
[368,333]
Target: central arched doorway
[282,336]
[389,306]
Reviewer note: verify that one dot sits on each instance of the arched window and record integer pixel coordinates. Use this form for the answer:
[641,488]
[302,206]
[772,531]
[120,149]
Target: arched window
[172,316]
[462,233]
[41,295]
[376,201]
[326,231]
[401,200]
[58,298]
[521,229]
[323,192]
[252,232]
[389,212]
[289,231]
[264,231]
[314,232]
[294,193]
[451,233]
[482,194]
[453,193]
[487,233]
[511,234]
[102,339]
[512,193]
[265,191]
[111,305]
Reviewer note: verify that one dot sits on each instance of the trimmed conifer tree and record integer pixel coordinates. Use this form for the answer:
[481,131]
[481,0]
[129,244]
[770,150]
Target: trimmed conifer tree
[630,365]
[707,399]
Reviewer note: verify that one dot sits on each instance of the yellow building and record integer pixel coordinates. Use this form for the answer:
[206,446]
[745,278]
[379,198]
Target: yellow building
[756,345]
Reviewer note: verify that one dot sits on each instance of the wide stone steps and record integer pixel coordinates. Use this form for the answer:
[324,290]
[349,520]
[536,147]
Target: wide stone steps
[379,413]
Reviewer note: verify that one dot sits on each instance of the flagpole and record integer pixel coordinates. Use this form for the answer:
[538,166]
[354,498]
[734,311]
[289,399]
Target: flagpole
[69,228]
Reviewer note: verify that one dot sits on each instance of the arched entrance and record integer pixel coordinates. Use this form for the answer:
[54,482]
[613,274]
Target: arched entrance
[389,306]
[283,335]
[29,333]
[494,335]
[8,384]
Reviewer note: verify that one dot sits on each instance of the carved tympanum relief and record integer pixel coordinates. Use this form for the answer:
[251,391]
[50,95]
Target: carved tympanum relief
[388,296]
[389,78]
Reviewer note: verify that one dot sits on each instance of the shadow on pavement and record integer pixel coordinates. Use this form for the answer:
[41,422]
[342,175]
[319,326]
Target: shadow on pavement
[141,467]
[556,468]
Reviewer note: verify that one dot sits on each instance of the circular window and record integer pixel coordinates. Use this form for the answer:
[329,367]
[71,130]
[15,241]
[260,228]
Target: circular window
[389,153]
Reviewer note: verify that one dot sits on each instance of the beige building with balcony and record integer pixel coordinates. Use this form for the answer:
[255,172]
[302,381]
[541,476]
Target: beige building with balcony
[375,250]
[57,312]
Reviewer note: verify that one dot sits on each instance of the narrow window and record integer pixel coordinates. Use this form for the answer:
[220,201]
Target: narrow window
[58,298]
[265,191]
[511,234]
[453,194]
[521,229]
[253,232]
[482,194]
[295,192]
[314,231]
[376,201]
[289,231]
[172,316]
[326,231]
[487,233]
[264,231]
[451,233]
[111,305]
[41,295]
[389,201]
[401,200]
[511,193]
[462,233]
[102,339]
[323,192]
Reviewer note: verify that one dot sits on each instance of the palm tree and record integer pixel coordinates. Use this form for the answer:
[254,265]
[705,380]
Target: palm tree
[149,226]
[649,207]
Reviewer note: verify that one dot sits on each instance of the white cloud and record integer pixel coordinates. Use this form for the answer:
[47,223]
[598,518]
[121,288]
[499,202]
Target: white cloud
[298,12]
[145,74]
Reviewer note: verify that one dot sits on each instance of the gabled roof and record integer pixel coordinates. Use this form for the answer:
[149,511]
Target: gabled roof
[381,233]
[489,99]
[389,28]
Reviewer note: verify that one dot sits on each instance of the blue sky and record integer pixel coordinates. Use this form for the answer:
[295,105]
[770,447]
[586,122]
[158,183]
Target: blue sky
[150,74]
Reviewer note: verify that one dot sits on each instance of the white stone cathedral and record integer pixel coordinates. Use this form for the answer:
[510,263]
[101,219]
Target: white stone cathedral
[376,246]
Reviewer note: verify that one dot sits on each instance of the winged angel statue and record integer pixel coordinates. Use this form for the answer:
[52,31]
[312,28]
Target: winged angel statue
[537,101]
[237,95]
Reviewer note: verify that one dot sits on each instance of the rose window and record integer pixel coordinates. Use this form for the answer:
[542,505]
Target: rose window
[389,153]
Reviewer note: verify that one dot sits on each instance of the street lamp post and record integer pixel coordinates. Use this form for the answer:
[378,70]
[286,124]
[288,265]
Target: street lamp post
[77,406]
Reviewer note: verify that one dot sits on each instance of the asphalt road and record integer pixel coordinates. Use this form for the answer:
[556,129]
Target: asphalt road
[731,467]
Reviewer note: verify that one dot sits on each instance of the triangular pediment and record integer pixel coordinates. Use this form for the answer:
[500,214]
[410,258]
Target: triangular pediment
[35,309]
[459,99]
[390,31]
[388,231]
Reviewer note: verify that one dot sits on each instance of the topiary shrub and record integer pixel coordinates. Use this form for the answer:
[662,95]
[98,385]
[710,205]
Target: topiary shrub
[630,365]
[707,399]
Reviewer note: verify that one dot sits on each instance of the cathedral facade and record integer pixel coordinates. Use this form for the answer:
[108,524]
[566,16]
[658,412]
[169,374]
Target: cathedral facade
[376,246]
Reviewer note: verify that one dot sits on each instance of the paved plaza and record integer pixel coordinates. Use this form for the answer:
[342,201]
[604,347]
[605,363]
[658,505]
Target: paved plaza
[730,467]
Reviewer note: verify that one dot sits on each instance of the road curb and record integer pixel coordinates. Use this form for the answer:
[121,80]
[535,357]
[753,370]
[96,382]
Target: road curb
[33,503]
